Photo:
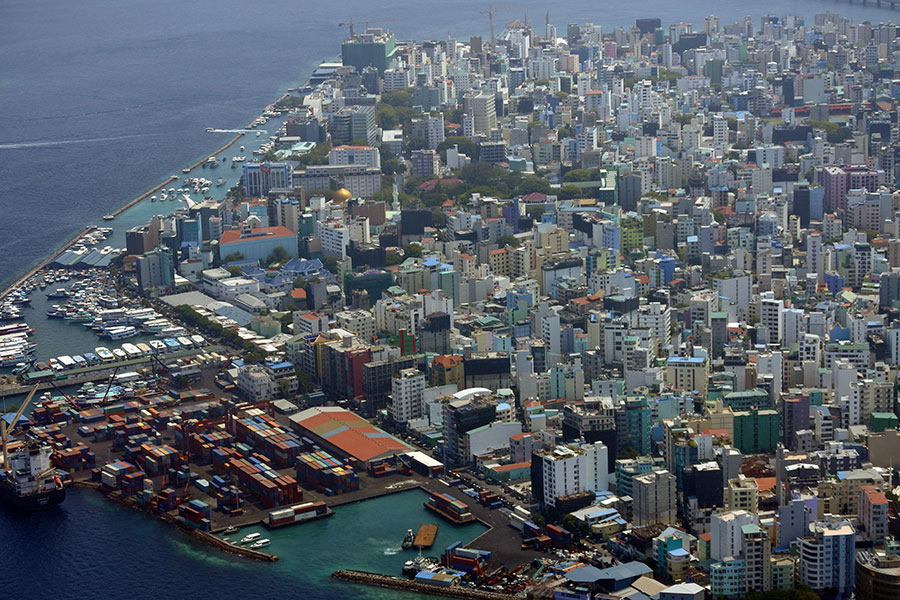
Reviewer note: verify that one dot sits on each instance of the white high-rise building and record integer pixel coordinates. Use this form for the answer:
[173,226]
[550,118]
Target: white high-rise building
[483,111]
[435,129]
[827,556]
[725,532]
[568,470]
[658,318]
[407,395]
[720,136]
[771,315]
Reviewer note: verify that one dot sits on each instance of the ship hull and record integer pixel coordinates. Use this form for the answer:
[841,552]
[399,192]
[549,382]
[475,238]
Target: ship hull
[33,502]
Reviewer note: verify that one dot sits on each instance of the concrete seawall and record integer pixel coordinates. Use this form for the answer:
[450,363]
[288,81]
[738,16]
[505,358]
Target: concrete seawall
[409,585]
[203,536]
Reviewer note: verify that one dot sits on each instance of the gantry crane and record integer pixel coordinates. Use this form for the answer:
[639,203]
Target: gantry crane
[490,12]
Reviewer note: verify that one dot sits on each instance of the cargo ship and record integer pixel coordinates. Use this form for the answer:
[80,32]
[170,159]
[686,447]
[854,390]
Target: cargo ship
[29,482]
[450,508]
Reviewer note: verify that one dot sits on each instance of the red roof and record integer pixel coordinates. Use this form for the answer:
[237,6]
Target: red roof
[765,483]
[237,235]
[447,360]
[512,467]
[299,294]
[349,433]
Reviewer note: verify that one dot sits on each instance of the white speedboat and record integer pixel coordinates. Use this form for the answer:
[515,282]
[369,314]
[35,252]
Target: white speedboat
[250,538]
[261,543]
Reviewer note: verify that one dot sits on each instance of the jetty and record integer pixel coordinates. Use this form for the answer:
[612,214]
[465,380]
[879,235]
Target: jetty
[425,536]
[410,585]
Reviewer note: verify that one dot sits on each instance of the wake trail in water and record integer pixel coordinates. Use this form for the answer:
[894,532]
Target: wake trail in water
[53,143]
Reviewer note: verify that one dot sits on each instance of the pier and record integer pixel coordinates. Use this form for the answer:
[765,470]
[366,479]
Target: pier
[409,585]
[102,371]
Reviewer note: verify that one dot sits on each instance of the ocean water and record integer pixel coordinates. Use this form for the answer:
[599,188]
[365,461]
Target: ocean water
[101,100]
[93,549]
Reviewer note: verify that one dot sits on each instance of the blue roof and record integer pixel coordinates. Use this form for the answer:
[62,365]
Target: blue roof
[624,571]
[696,360]
[586,574]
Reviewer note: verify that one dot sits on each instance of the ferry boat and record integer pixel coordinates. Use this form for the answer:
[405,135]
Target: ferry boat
[120,333]
[119,354]
[261,543]
[67,362]
[157,346]
[172,331]
[29,482]
[198,340]
[144,348]
[184,341]
[15,328]
[171,344]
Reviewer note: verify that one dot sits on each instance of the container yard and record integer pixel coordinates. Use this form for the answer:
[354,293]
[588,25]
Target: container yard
[450,508]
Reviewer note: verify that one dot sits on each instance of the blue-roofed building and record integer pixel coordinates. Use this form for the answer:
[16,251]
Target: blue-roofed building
[619,577]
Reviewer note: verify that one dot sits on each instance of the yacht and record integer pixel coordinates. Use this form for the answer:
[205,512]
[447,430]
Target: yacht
[250,538]
[261,543]
[104,354]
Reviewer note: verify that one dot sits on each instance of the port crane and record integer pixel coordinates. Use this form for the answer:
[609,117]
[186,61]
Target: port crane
[5,431]
[349,23]
[490,12]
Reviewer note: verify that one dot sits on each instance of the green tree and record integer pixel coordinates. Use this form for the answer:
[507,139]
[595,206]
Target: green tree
[398,98]
[331,264]
[233,257]
[278,256]
[413,250]
[569,192]
[392,165]
[508,240]
[465,146]
[284,386]
[627,453]
[438,218]
[235,271]
[577,175]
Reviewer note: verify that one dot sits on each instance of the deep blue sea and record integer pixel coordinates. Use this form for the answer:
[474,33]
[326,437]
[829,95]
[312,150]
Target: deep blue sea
[101,100]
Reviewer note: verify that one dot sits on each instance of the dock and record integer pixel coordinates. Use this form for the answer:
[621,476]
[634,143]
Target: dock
[399,583]
[425,536]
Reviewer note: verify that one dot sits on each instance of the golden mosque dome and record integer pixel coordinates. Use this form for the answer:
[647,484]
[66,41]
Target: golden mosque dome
[342,196]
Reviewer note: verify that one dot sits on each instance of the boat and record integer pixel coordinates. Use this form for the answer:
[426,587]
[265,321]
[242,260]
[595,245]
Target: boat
[261,543]
[252,537]
[172,344]
[120,332]
[420,563]
[152,198]
[184,341]
[109,217]
[157,347]
[104,354]
[185,170]
[59,293]
[198,340]
[172,331]
[31,483]
[144,348]
[220,181]
[231,529]
[67,362]
[242,148]
[131,351]
[258,133]
[119,354]
[408,540]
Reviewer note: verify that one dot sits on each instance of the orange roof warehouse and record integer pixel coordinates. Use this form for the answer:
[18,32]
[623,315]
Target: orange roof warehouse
[347,434]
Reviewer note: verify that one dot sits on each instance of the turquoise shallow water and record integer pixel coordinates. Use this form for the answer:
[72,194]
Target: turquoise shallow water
[91,548]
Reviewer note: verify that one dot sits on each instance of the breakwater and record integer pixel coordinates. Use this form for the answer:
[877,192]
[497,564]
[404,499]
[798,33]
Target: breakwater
[203,536]
[409,585]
